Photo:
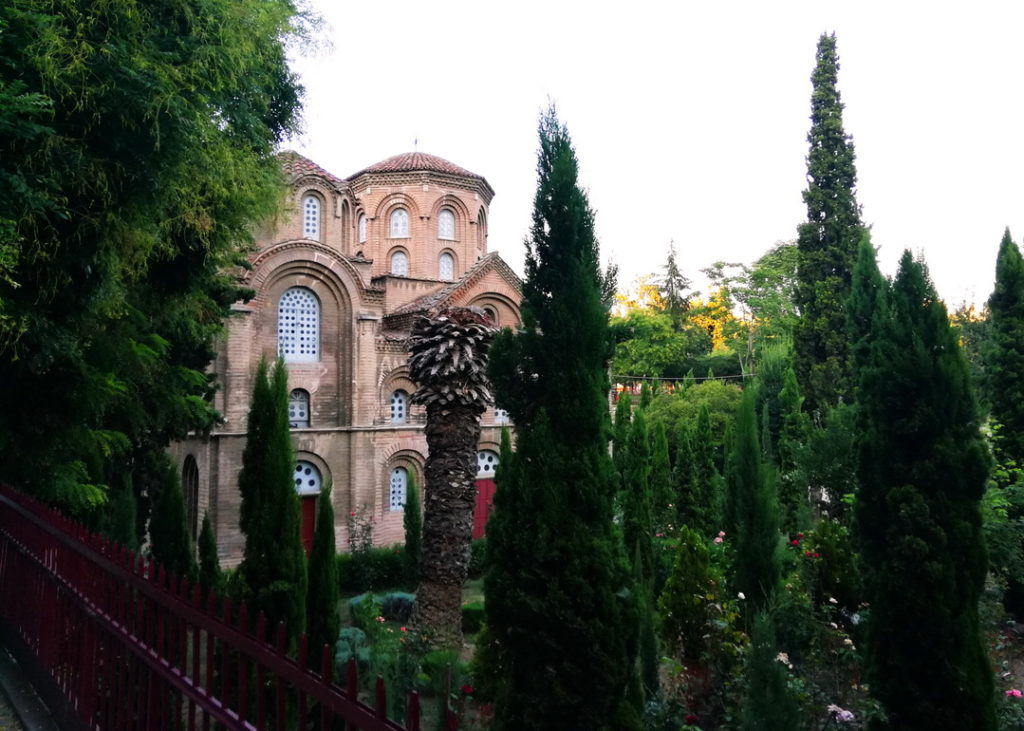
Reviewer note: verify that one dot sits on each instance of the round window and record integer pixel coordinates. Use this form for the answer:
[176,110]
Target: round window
[307,478]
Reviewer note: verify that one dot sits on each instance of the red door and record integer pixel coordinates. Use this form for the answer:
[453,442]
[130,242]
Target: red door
[308,521]
[482,509]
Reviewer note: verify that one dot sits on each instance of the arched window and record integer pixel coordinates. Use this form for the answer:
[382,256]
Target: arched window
[446,224]
[399,406]
[397,486]
[311,217]
[399,227]
[486,464]
[491,313]
[298,326]
[501,416]
[400,264]
[307,478]
[446,267]
[298,409]
[190,486]
[362,228]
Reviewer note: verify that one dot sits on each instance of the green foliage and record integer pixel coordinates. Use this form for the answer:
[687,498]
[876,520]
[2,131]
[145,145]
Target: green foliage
[683,407]
[752,512]
[771,378]
[769,705]
[210,576]
[674,287]
[560,608]
[620,436]
[685,602]
[170,541]
[826,464]
[477,558]
[922,466]
[375,569]
[412,521]
[472,617]
[637,520]
[138,145]
[1004,373]
[836,573]
[827,242]
[119,519]
[322,617]
[654,344]
[273,568]
[660,477]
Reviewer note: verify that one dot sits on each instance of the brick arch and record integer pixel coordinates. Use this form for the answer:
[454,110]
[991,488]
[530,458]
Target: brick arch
[391,381]
[507,309]
[462,215]
[328,379]
[393,201]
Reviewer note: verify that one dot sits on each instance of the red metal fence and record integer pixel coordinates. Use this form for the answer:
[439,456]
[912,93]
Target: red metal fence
[112,642]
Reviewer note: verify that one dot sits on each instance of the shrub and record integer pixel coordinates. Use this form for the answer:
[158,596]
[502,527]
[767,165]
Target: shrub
[351,643]
[472,617]
[373,569]
[477,558]
[397,606]
[364,610]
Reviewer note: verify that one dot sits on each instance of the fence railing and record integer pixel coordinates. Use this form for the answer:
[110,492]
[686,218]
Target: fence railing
[112,642]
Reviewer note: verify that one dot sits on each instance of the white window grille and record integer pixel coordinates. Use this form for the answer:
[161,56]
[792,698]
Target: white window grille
[400,264]
[311,217]
[397,485]
[362,228]
[307,479]
[399,407]
[446,224]
[298,409]
[500,416]
[486,464]
[298,326]
[399,227]
[446,267]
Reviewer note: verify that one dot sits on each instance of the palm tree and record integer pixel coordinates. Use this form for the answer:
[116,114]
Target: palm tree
[449,362]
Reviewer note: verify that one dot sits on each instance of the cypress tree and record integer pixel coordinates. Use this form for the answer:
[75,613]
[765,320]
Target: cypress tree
[170,542]
[826,243]
[273,569]
[922,466]
[637,521]
[560,601]
[119,519]
[793,498]
[769,704]
[699,506]
[623,418]
[1005,361]
[412,522]
[662,494]
[682,475]
[209,564]
[752,511]
[323,620]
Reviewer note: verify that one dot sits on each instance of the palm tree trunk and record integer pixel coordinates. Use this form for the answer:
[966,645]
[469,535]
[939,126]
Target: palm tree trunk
[452,432]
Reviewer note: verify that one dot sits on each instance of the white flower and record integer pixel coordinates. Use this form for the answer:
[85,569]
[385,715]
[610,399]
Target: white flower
[848,642]
[784,659]
[741,595]
[832,600]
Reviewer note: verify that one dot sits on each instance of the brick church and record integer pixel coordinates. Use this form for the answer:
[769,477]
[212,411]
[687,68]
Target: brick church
[339,281]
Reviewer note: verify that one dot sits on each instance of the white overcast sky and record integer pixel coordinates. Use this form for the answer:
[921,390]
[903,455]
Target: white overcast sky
[690,119]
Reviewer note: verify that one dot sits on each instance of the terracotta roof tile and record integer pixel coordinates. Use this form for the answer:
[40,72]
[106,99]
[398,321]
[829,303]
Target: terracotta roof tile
[415,162]
[295,166]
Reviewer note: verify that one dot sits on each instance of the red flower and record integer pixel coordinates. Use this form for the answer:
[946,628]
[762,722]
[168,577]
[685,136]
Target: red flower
[799,535]
[807,554]
[467,690]
[352,514]
[817,555]
[691,719]
[794,542]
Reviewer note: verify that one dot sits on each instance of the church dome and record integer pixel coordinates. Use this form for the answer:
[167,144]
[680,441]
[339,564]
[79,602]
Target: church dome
[409,162]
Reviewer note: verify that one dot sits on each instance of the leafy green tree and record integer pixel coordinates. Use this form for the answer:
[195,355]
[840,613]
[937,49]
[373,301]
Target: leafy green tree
[793,496]
[273,569]
[827,242]
[771,377]
[752,512]
[170,542]
[648,343]
[209,564]
[412,522]
[620,436]
[922,466]
[684,606]
[560,603]
[323,617]
[1005,356]
[138,146]
[720,398]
